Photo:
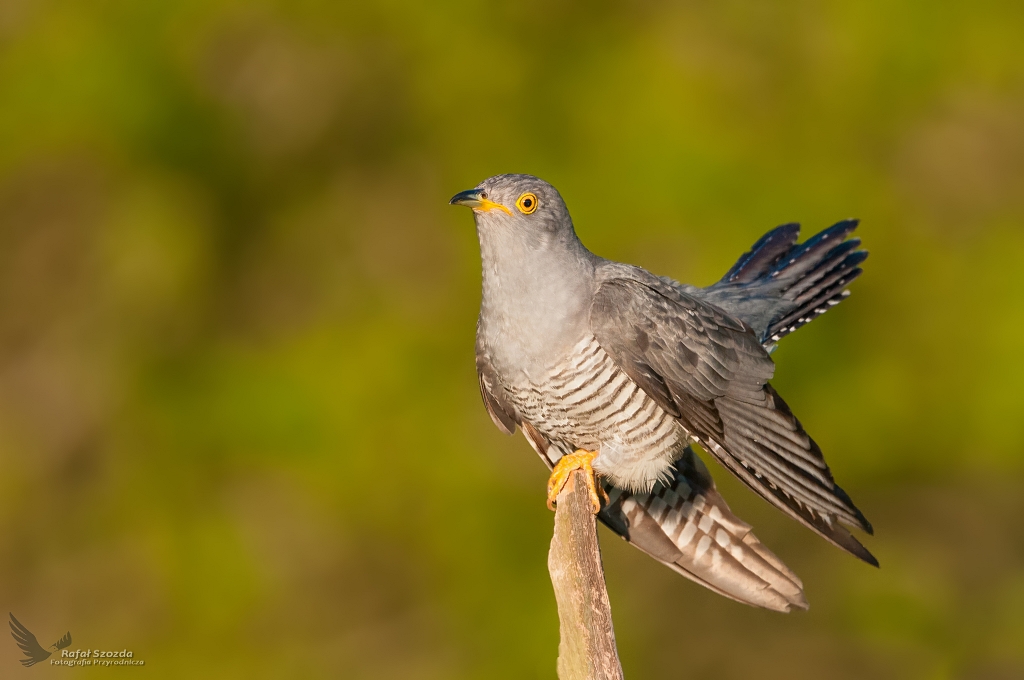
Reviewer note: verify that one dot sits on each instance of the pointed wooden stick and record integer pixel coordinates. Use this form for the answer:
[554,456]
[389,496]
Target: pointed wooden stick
[587,647]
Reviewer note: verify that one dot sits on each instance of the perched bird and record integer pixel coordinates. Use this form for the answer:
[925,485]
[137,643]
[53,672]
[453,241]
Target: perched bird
[609,368]
[26,641]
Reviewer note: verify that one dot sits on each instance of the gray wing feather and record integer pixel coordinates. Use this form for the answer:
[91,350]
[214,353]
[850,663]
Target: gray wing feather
[715,372]
[691,350]
[498,407]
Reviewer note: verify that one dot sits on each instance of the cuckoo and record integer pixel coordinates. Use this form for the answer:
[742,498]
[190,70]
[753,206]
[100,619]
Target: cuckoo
[609,368]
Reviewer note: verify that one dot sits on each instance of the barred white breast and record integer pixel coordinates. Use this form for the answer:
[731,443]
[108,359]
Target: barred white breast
[587,402]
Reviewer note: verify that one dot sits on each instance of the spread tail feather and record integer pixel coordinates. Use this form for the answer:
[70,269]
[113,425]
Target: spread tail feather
[779,285]
[686,525]
[817,273]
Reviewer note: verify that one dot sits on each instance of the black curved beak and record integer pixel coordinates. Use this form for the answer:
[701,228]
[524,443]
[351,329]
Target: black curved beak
[474,198]
[469,198]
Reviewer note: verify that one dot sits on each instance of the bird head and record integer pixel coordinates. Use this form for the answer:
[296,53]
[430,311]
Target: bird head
[517,205]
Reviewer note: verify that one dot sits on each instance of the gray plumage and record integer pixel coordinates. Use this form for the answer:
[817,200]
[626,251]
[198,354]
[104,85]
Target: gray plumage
[586,353]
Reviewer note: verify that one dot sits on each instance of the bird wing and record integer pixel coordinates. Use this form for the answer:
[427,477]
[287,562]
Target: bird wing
[26,641]
[501,411]
[64,641]
[683,352]
[709,370]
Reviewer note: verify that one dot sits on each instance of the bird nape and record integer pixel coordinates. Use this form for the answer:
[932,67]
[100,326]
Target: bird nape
[607,367]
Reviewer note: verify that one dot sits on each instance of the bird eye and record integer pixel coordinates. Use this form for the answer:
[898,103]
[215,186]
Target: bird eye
[527,203]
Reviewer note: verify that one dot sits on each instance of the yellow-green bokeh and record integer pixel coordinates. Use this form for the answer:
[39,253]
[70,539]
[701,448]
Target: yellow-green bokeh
[239,427]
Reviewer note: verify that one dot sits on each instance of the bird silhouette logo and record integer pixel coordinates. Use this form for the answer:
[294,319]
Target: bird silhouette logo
[34,652]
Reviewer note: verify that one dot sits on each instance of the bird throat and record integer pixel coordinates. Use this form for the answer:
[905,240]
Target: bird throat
[535,302]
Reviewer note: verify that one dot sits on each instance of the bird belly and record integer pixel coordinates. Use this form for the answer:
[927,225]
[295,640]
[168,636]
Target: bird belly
[587,402]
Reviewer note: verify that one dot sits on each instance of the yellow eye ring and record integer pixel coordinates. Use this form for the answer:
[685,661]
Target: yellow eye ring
[527,203]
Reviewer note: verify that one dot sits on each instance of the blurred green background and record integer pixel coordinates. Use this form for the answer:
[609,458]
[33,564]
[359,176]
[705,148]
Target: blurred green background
[240,432]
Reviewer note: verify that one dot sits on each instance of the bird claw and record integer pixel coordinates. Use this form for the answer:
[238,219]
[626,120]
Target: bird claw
[567,464]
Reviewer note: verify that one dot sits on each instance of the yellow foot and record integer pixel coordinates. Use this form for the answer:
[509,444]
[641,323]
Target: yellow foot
[580,460]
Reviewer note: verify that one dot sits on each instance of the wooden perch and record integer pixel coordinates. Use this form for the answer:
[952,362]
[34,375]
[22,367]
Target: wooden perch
[586,650]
